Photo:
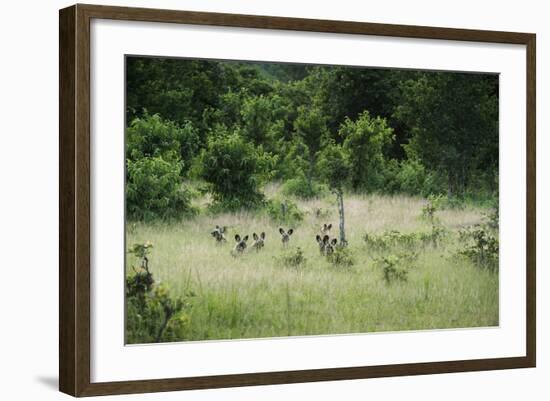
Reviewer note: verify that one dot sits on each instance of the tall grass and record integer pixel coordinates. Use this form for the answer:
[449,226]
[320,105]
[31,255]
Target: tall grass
[255,295]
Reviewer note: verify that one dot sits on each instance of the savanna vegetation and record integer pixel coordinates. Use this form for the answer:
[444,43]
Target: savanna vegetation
[376,192]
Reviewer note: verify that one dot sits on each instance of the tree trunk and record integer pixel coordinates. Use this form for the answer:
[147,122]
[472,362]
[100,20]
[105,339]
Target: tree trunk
[340,201]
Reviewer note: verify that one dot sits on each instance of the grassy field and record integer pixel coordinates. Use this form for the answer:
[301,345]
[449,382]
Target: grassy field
[257,295]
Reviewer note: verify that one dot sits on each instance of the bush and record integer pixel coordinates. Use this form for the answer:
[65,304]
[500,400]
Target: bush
[151,136]
[392,238]
[396,267]
[481,247]
[154,189]
[412,178]
[341,257]
[435,236]
[432,205]
[152,315]
[293,258]
[301,188]
[234,169]
[283,212]
[364,141]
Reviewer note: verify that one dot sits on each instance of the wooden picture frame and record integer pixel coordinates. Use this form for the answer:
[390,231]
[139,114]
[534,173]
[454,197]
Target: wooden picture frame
[74,200]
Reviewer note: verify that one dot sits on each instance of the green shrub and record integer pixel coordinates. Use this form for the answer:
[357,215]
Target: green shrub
[152,315]
[481,246]
[321,213]
[433,204]
[341,257]
[283,212]
[435,236]
[411,177]
[364,141]
[234,168]
[396,267]
[302,188]
[292,258]
[392,238]
[151,136]
[154,190]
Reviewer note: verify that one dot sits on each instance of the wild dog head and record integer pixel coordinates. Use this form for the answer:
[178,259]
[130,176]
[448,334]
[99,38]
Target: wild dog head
[218,233]
[326,245]
[322,241]
[325,228]
[285,235]
[240,243]
[329,246]
[258,241]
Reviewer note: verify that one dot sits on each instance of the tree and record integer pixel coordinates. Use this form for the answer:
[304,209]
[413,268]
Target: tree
[258,118]
[235,169]
[455,125]
[154,189]
[364,140]
[334,167]
[310,127]
[151,136]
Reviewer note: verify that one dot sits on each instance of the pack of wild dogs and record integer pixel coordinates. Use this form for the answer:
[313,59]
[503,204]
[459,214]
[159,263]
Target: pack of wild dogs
[326,244]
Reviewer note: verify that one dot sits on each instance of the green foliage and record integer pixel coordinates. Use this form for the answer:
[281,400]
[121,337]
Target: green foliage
[395,268]
[481,246]
[295,160]
[302,188]
[151,136]
[395,239]
[432,205]
[364,141]
[284,211]
[454,120]
[493,216]
[152,315]
[334,166]
[435,236]
[391,239]
[154,189]
[235,169]
[341,257]
[292,258]
[411,132]
[411,177]
[258,118]
[155,316]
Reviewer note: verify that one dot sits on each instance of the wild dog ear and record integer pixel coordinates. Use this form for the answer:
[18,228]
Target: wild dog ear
[217,227]
[334,241]
[290,231]
[318,238]
[237,238]
[222,230]
[325,226]
[281,231]
[245,238]
[262,235]
[329,226]
[254,236]
[326,238]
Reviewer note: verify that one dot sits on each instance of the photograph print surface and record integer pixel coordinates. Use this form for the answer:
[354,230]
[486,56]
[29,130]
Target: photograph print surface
[275,199]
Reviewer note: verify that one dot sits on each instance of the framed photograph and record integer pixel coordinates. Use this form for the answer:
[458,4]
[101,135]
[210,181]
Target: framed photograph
[250,200]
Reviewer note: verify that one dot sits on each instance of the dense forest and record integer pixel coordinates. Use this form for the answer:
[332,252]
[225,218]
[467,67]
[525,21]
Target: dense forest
[234,126]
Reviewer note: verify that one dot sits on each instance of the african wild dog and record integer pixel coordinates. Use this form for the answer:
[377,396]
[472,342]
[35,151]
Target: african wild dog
[325,228]
[285,235]
[218,234]
[326,245]
[258,241]
[240,245]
